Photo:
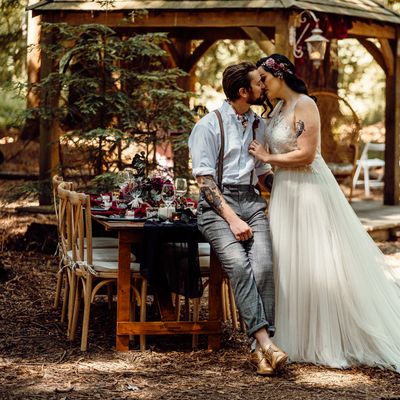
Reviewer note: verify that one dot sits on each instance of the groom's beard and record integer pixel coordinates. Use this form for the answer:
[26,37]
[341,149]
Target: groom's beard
[257,101]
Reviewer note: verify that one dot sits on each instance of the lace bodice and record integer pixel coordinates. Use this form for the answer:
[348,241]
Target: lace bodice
[279,132]
[280,135]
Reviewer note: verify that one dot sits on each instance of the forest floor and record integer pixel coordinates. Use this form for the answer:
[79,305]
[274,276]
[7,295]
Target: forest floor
[37,362]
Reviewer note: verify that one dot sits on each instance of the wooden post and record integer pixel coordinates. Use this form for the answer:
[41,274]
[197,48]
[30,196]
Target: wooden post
[392,123]
[49,128]
[124,288]
[183,48]
[282,45]
[31,127]
[215,299]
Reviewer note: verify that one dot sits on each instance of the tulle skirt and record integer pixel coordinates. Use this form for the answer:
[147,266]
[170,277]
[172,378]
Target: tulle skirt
[337,302]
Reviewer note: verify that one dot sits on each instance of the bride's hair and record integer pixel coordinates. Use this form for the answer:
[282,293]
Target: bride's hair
[281,67]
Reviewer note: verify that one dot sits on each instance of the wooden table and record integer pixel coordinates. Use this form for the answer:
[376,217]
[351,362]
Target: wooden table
[130,232]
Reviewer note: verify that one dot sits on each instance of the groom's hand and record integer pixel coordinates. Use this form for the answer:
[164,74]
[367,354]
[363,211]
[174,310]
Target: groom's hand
[215,199]
[241,229]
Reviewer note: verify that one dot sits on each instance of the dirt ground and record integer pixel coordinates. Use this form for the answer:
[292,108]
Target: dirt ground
[37,362]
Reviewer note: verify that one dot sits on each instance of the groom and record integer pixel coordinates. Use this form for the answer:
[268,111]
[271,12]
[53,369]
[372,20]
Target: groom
[231,213]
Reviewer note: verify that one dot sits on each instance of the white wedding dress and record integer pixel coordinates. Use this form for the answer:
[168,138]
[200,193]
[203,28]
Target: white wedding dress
[337,302]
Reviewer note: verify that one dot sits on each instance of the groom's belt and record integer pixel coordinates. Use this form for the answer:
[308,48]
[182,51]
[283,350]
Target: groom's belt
[239,188]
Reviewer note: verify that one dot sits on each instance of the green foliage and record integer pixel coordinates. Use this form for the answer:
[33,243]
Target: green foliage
[12,39]
[12,105]
[104,183]
[21,191]
[113,90]
[221,55]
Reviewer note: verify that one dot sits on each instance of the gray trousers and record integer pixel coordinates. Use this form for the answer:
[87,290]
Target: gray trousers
[247,264]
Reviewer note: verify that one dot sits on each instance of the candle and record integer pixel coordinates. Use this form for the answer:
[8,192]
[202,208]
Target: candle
[165,212]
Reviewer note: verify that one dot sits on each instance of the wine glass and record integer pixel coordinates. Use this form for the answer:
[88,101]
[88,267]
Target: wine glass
[180,187]
[124,177]
[168,196]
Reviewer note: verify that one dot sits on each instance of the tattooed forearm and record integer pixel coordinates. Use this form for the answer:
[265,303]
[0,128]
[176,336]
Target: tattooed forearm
[299,128]
[211,192]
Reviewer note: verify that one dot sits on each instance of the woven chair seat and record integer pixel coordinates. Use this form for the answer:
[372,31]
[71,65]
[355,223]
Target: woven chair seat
[104,242]
[110,266]
[104,255]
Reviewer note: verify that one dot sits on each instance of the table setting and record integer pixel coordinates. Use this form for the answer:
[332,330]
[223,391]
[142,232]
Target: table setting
[153,217]
[140,198]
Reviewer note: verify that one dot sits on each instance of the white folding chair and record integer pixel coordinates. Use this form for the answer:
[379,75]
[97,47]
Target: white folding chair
[365,163]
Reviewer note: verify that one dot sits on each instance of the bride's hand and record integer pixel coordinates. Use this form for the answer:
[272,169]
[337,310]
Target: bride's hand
[258,151]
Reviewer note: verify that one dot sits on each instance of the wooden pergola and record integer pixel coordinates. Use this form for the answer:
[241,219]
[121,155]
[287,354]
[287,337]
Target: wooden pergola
[194,26]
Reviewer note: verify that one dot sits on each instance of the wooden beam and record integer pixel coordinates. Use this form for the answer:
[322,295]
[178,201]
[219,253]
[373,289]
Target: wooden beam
[262,40]
[198,52]
[170,19]
[392,123]
[168,328]
[371,30]
[375,52]
[174,54]
[183,49]
[387,54]
[215,34]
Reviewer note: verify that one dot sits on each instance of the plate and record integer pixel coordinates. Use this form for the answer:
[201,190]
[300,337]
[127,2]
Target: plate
[125,218]
[98,209]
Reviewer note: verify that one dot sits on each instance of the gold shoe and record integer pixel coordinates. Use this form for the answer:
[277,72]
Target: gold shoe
[276,357]
[258,360]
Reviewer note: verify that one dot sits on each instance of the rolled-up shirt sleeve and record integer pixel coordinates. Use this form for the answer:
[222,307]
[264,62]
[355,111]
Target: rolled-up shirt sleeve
[204,148]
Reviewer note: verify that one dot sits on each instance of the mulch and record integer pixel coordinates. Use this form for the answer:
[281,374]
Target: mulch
[37,361]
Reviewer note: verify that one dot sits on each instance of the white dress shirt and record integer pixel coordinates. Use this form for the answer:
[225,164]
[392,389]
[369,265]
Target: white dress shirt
[205,142]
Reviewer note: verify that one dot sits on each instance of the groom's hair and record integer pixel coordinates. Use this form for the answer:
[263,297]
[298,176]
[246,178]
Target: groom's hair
[235,77]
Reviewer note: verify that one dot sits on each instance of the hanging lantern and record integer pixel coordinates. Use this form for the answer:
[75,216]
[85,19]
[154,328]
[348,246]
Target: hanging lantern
[316,46]
[316,43]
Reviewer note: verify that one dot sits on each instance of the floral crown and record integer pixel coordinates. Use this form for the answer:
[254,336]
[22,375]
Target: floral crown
[276,68]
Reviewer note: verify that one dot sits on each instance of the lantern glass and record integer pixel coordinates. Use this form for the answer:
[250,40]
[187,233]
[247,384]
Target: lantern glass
[316,50]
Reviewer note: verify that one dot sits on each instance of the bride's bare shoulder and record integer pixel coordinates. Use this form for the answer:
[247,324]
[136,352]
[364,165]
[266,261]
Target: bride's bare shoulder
[306,106]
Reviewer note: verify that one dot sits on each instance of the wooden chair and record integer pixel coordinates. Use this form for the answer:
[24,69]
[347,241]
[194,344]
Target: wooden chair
[56,181]
[65,272]
[95,268]
[340,129]
[61,212]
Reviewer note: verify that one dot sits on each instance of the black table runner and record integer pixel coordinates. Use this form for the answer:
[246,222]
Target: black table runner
[170,257]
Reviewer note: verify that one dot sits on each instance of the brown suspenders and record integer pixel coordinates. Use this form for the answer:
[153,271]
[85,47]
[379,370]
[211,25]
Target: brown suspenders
[222,148]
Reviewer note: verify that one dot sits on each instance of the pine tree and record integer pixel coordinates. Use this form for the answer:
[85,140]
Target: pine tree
[113,91]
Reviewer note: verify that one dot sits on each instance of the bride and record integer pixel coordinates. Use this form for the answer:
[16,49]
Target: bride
[337,302]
